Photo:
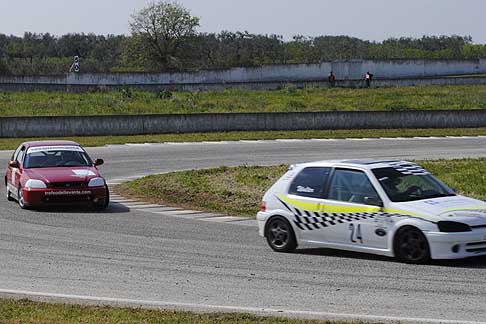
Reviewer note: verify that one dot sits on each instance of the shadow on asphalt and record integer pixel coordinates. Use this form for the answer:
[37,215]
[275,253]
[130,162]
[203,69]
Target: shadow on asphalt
[473,263]
[113,208]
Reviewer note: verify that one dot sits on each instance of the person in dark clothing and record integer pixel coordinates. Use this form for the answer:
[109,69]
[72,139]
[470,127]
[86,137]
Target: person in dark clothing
[331,79]
[368,79]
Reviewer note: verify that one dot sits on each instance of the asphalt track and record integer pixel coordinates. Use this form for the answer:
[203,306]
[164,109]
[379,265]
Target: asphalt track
[132,257]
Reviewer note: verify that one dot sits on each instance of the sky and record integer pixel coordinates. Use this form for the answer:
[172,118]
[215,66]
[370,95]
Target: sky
[367,19]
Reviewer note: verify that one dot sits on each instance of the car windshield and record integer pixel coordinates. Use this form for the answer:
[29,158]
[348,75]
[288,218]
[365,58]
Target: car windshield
[56,158]
[401,185]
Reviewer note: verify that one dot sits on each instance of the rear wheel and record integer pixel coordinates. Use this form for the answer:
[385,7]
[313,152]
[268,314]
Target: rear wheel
[411,246]
[280,235]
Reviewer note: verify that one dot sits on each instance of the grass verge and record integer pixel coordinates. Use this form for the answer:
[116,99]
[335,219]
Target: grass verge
[289,99]
[238,191]
[28,312]
[91,141]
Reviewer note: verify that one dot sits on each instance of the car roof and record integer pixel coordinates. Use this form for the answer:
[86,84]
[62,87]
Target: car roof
[366,164]
[50,143]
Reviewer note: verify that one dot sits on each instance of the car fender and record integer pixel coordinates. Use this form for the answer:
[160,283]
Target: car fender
[288,216]
[422,225]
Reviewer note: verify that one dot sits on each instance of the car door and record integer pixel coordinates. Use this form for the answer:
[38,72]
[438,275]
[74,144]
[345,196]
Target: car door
[304,200]
[17,172]
[11,172]
[351,207]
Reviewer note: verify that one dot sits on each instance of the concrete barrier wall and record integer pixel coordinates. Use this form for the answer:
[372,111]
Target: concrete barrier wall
[193,123]
[345,70]
[257,85]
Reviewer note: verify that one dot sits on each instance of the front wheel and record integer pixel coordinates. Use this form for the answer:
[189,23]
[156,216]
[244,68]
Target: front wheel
[105,203]
[411,246]
[8,194]
[280,235]
[21,199]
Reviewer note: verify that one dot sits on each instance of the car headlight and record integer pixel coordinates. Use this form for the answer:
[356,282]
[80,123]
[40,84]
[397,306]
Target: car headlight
[96,182]
[453,227]
[35,184]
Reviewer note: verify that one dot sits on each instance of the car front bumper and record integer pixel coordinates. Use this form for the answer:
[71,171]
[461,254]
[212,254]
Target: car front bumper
[457,245]
[54,196]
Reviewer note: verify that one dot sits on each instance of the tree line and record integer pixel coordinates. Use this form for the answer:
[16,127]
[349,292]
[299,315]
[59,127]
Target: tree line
[164,38]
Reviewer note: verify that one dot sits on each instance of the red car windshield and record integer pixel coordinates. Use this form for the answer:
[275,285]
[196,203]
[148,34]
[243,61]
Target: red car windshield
[52,159]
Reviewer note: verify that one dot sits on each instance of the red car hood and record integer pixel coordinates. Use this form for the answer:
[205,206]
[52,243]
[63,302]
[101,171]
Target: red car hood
[62,174]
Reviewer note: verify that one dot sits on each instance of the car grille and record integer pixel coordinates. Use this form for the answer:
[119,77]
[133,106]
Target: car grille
[66,184]
[476,247]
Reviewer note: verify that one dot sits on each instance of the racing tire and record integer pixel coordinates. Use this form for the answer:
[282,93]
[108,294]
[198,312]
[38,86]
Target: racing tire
[8,194]
[411,246]
[106,202]
[280,235]
[21,200]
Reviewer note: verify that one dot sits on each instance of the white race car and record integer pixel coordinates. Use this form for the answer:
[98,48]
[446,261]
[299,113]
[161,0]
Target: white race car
[390,208]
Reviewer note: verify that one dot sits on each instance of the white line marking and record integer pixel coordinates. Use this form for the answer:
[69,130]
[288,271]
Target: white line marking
[289,140]
[215,143]
[181,143]
[251,141]
[139,144]
[222,219]
[143,207]
[223,308]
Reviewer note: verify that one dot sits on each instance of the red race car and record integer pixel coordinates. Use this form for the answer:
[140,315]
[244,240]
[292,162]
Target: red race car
[52,173]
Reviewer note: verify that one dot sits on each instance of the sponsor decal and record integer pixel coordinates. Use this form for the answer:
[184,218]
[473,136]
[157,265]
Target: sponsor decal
[54,148]
[432,202]
[68,193]
[380,232]
[305,189]
[84,173]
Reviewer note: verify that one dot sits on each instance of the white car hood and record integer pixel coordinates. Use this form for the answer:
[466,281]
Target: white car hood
[458,208]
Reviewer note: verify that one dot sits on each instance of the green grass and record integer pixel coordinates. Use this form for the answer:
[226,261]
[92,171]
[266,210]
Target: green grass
[236,100]
[238,191]
[90,141]
[28,312]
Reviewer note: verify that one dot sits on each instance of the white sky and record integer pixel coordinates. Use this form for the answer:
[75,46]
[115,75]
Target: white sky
[366,19]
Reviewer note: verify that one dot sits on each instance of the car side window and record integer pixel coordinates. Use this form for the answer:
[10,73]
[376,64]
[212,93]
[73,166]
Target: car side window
[351,186]
[20,155]
[15,154]
[310,182]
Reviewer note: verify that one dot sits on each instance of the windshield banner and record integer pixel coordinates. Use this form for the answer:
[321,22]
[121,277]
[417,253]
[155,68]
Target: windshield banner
[54,148]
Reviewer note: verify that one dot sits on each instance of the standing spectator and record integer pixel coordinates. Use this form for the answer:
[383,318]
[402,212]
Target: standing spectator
[368,79]
[76,65]
[331,79]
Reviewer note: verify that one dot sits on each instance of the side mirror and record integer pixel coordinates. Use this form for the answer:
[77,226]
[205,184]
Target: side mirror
[99,162]
[14,164]
[373,201]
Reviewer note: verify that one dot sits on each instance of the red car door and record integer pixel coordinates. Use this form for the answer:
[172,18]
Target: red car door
[14,174]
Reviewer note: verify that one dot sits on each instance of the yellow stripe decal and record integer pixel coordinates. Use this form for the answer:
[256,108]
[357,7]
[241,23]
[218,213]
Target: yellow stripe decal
[322,208]
[473,208]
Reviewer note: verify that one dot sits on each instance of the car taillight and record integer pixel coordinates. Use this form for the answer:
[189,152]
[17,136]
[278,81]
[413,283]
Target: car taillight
[264,207]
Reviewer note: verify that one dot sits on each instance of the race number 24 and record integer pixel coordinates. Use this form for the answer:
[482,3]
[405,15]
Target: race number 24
[356,236]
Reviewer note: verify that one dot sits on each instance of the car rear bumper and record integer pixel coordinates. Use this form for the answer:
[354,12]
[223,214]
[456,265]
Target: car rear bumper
[457,245]
[54,196]
[262,218]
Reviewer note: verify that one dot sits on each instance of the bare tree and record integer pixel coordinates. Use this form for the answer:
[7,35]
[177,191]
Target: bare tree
[163,26]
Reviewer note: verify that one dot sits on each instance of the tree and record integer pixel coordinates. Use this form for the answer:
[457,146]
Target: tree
[163,27]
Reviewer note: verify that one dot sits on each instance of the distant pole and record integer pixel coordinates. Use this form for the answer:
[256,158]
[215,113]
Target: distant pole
[76,66]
